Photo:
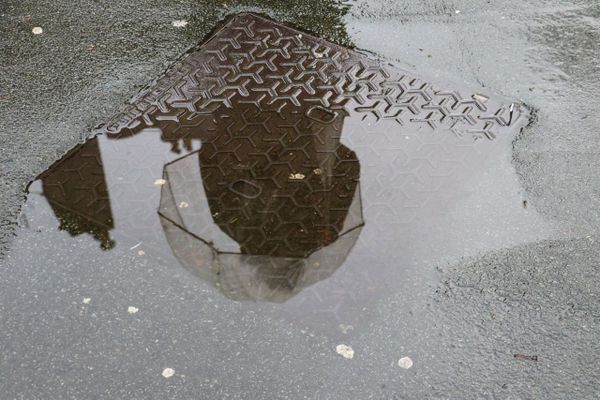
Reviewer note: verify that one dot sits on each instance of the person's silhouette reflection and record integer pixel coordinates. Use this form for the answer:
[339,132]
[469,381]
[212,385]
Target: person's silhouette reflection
[280,185]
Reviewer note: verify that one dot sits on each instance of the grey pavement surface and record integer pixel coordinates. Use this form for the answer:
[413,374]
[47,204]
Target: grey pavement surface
[534,293]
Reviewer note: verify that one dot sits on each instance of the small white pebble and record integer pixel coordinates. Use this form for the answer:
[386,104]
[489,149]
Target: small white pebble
[86,300]
[141,253]
[405,362]
[344,351]
[132,309]
[160,182]
[179,23]
[37,30]
[168,372]
[456,11]
[183,204]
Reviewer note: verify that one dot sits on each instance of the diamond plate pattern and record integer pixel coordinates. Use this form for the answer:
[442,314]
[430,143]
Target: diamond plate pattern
[254,61]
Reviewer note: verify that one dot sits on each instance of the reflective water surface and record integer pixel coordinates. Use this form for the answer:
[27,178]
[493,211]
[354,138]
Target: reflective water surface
[268,162]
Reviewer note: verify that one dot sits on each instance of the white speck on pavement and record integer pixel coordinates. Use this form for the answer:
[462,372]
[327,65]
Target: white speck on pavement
[132,310]
[168,372]
[37,30]
[179,23]
[405,362]
[345,351]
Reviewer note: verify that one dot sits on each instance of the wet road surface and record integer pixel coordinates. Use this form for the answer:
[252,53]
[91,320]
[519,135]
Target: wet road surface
[469,274]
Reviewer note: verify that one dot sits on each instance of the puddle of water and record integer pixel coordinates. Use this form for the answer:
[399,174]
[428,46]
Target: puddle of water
[278,167]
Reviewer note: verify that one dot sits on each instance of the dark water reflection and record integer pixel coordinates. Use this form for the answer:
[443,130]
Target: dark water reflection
[279,167]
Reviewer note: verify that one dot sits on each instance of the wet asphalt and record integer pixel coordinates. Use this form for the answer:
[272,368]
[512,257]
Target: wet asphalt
[535,297]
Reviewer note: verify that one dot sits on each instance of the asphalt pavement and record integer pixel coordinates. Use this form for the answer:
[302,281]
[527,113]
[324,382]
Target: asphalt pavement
[510,312]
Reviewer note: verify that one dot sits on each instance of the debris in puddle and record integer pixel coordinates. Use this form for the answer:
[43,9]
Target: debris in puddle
[296,176]
[317,171]
[86,300]
[345,328]
[37,30]
[524,357]
[168,372]
[345,351]
[179,23]
[132,309]
[160,182]
[405,362]
[136,246]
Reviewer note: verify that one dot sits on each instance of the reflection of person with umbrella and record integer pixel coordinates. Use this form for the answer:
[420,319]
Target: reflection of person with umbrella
[269,205]
[282,195]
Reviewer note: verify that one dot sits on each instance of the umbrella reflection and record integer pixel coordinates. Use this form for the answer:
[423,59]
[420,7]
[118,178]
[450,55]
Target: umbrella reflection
[269,205]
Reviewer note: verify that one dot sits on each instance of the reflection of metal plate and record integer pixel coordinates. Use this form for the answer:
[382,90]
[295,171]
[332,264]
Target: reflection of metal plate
[252,60]
[260,136]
